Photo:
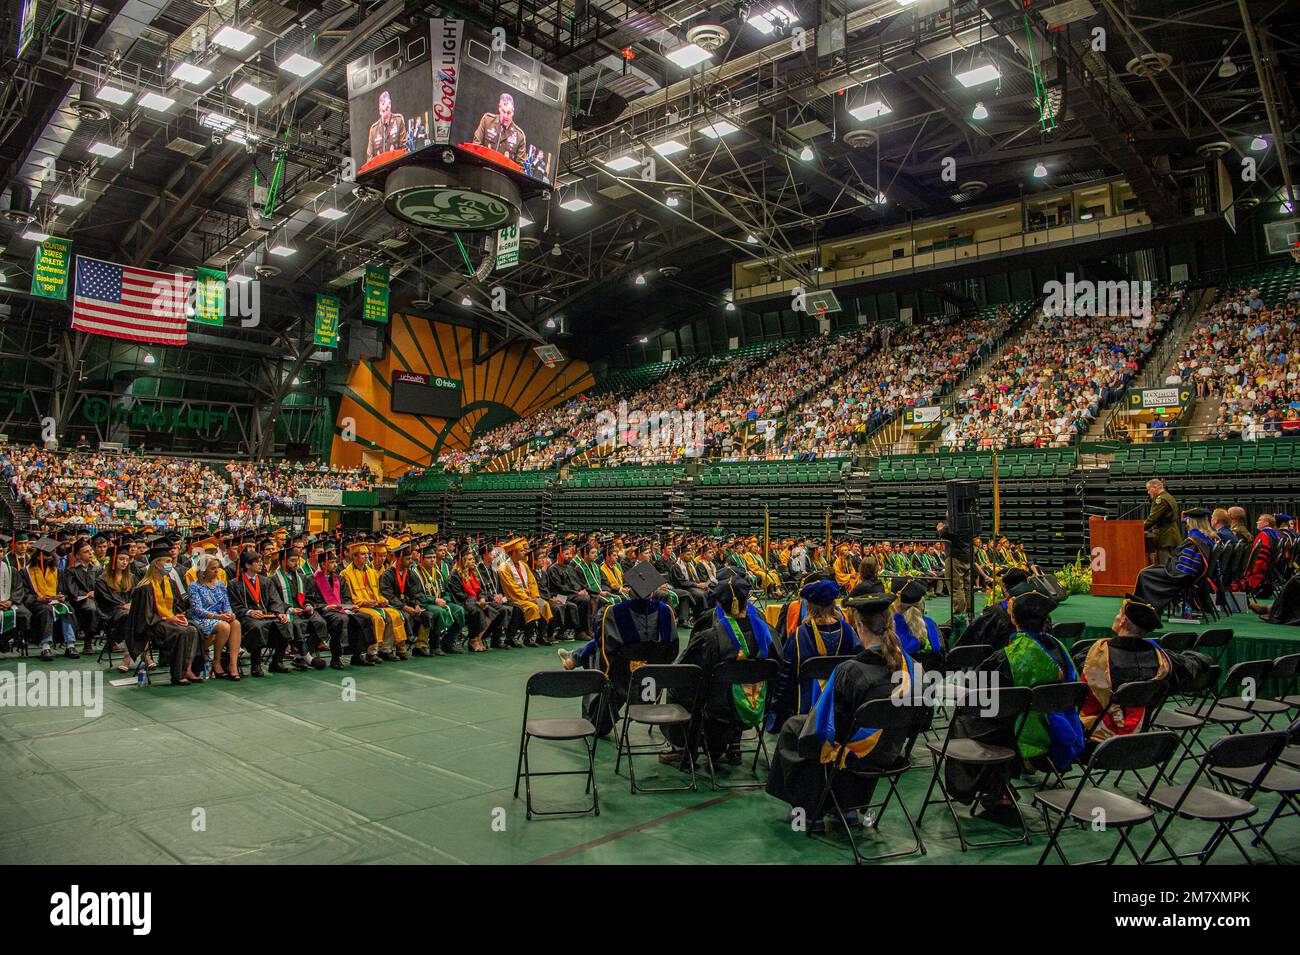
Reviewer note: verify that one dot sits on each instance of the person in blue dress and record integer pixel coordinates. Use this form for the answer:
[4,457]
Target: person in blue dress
[210,611]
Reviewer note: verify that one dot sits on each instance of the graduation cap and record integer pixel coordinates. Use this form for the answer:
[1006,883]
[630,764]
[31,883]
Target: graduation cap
[46,545]
[731,588]
[400,548]
[1284,518]
[913,591]
[1202,512]
[159,549]
[1141,614]
[643,580]
[864,599]
[1032,605]
[820,590]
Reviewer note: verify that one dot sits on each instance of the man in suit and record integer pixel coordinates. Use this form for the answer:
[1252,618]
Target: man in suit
[1162,522]
[1222,527]
[692,591]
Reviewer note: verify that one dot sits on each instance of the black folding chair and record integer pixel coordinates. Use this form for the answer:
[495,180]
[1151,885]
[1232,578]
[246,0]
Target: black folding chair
[1103,809]
[646,687]
[1057,698]
[963,659]
[743,673]
[1282,675]
[1198,694]
[1071,630]
[1146,695]
[1279,779]
[627,657]
[1214,643]
[883,715]
[1207,804]
[561,685]
[1007,704]
[1245,679]
[820,668]
[1178,641]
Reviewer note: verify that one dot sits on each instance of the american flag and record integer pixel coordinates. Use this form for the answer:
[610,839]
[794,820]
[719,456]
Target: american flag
[121,301]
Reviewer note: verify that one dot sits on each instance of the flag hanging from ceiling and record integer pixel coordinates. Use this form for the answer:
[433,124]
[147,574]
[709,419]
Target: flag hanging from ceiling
[121,301]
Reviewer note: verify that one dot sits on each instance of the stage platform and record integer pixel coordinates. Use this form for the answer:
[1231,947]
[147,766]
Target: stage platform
[419,768]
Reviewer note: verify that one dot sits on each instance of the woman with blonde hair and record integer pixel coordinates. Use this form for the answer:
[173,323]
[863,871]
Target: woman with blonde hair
[881,670]
[916,632]
[113,599]
[214,617]
[158,617]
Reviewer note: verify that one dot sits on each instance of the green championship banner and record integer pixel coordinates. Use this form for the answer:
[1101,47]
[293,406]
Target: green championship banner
[375,305]
[327,321]
[50,269]
[209,296]
[508,246]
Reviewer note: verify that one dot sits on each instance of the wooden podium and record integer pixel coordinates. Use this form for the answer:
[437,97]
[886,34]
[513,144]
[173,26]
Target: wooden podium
[1119,549]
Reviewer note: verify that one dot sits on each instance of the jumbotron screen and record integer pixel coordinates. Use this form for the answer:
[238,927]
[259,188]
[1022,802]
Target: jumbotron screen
[434,397]
[456,85]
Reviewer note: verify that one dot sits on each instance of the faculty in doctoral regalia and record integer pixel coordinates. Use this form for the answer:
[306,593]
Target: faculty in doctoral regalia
[643,618]
[810,744]
[733,629]
[1186,570]
[821,631]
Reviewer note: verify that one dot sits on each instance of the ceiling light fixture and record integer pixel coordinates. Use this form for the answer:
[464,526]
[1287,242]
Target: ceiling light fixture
[669,147]
[190,73]
[979,112]
[232,38]
[623,163]
[751,239]
[806,154]
[767,22]
[104,150]
[982,70]
[250,94]
[281,250]
[1227,69]
[331,213]
[640,278]
[36,234]
[691,54]
[1040,171]
[731,306]
[1258,144]
[466,301]
[156,102]
[117,95]
[299,65]
[149,359]
[68,199]
[575,203]
[719,128]
[870,108]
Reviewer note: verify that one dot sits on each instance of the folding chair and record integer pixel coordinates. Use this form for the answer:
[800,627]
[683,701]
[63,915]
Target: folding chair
[647,684]
[1072,630]
[883,715]
[1245,678]
[1090,805]
[1057,698]
[1198,693]
[1282,780]
[1008,703]
[1206,804]
[963,659]
[1178,641]
[1213,643]
[1282,675]
[1146,695]
[626,657]
[561,685]
[743,673]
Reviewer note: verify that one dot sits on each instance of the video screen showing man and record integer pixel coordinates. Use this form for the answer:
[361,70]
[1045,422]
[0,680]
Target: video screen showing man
[498,131]
[388,132]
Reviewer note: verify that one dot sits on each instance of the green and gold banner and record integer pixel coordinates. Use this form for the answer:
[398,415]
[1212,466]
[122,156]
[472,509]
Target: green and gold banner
[50,269]
[327,321]
[209,296]
[375,305]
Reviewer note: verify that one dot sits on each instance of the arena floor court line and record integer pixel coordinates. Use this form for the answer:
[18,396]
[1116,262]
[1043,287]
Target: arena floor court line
[412,771]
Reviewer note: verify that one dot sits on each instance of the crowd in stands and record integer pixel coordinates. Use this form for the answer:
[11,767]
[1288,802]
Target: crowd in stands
[1046,387]
[1245,352]
[100,489]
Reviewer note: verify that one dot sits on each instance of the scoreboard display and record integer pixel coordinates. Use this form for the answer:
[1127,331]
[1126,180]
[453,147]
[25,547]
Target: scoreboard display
[429,395]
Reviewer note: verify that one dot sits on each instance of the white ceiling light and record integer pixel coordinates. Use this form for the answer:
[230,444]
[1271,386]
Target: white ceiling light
[640,278]
[281,250]
[719,128]
[217,121]
[623,163]
[778,15]
[672,201]
[104,150]
[751,239]
[331,213]
[68,199]
[149,359]
[870,108]
[906,3]
[692,54]
[253,95]
[669,147]
[191,73]
[1258,144]
[979,112]
[36,234]
[1227,68]
[731,306]
[156,102]
[466,301]
[117,95]
[299,65]
[232,38]
[575,203]
[981,71]
[643,339]
[524,220]
[1040,171]
[806,154]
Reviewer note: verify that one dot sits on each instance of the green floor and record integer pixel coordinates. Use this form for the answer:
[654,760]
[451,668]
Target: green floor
[419,768]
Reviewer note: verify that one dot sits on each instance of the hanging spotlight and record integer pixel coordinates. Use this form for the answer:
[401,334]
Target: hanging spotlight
[1227,69]
[751,239]
[640,279]
[556,250]
[731,306]
[979,112]
[550,323]
[1258,144]
[466,301]
[1040,171]
[643,339]
[806,154]
[149,359]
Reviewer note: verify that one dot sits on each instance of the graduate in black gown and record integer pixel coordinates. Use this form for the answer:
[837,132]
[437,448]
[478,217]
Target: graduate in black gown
[113,599]
[810,743]
[822,632]
[993,627]
[732,629]
[157,618]
[1285,608]
[643,618]
[79,577]
[263,615]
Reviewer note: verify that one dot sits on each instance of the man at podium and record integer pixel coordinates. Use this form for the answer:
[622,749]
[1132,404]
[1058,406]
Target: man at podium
[1162,522]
